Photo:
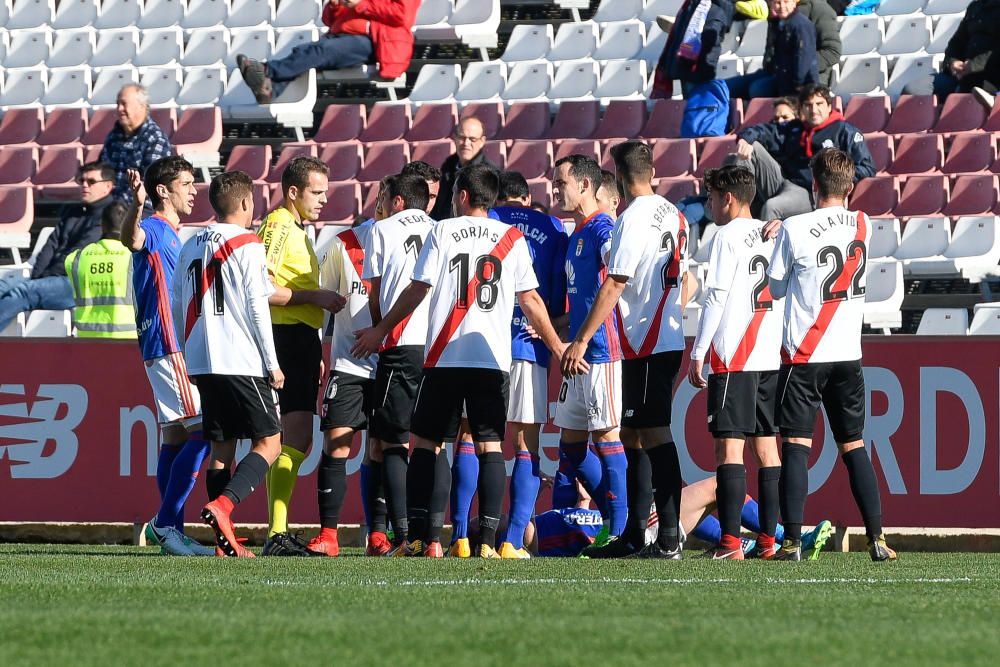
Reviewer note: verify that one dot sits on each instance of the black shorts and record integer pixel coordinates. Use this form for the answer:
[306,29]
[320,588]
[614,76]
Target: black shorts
[299,355]
[397,378]
[347,402]
[742,405]
[237,406]
[648,389]
[443,391]
[838,385]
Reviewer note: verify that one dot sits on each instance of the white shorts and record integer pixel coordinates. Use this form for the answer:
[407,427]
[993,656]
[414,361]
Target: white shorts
[177,400]
[529,393]
[591,402]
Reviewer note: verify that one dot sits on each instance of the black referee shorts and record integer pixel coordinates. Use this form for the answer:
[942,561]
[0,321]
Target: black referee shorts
[299,355]
[237,406]
[838,385]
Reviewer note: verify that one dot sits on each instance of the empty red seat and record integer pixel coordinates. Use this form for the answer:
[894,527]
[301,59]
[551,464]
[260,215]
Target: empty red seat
[972,194]
[433,153]
[582,147]
[712,151]
[343,204]
[199,130]
[101,122]
[17,210]
[759,110]
[496,152]
[992,123]
[288,153]
[541,192]
[17,164]
[386,122]
[490,114]
[875,196]
[370,197]
[433,121]
[912,113]
[622,118]
[673,157]
[532,159]
[384,158]
[881,148]
[261,200]
[253,160]
[341,122]
[201,212]
[664,120]
[970,152]
[20,126]
[525,120]
[961,112]
[918,154]
[922,195]
[165,118]
[344,159]
[575,120]
[63,126]
[58,165]
[868,114]
[676,189]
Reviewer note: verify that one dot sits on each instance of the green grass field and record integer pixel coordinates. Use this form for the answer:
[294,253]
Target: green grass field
[122,605]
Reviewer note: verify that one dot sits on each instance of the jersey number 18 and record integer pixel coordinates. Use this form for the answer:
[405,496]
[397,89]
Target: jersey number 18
[488,270]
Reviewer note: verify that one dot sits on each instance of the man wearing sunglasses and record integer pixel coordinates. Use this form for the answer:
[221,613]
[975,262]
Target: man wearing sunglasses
[79,225]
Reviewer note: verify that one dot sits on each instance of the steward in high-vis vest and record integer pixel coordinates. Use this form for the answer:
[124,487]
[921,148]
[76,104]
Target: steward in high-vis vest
[101,277]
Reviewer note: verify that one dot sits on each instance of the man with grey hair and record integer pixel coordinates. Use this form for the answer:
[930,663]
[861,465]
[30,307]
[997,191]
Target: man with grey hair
[136,141]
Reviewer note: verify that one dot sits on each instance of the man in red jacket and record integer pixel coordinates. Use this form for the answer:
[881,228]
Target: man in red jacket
[359,29]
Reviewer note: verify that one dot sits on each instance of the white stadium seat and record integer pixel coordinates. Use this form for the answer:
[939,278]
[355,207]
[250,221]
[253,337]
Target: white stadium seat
[22,88]
[160,47]
[528,42]
[885,238]
[728,66]
[115,48]
[862,75]
[435,83]
[884,294]
[257,43]
[208,46]
[705,244]
[754,40]
[985,320]
[108,82]
[622,79]
[752,64]
[287,39]
[909,68]
[528,81]
[27,48]
[924,237]
[293,108]
[482,81]
[118,14]
[617,10]
[621,41]
[74,14]
[906,34]
[973,251]
[162,83]
[4,43]
[67,87]
[250,13]
[71,48]
[476,22]
[944,322]
[296,14]
[162,14]
[16,327]
[205,13]
[27,14]
[899,7]
[946,7]
[432,13]
[944,27]
[4,11]
[860,34]
[49,324]
[574,80]
[656,8]
[574,41]
[203,86]
[655,41]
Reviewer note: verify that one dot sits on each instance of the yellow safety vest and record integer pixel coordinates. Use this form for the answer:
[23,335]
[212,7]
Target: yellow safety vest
[101,276]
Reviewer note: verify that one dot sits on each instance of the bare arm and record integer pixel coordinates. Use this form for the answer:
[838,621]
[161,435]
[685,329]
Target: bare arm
[369,340]
[132,236]
[607,298]
[324,298]
[375,300]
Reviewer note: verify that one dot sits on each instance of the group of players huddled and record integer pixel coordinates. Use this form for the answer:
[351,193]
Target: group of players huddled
[443,332]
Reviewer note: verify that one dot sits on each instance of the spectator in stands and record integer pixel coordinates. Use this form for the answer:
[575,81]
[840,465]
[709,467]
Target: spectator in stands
[967,55]
[359,29]
[828,45]
[136,141]
[470,138]
[79,225]
[791,39]
[431,175]
[100,275]
[779,152]
[693,46]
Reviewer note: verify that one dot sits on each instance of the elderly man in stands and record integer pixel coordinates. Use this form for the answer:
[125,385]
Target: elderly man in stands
[779,153]
[136,141]
[79,225]
[470,139]
[359,30]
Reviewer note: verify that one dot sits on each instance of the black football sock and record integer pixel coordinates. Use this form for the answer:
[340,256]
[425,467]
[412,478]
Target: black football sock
[331,485]
[249,475]
[439,496]
[864,486]
[666,469]
[376,497]
[492,475]
[767,501]
[639,488]
[731,490]
[215,481]
[793,488]
[419,486]
[394,481]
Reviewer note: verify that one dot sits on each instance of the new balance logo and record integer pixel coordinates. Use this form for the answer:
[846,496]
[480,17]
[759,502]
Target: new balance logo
[37,429]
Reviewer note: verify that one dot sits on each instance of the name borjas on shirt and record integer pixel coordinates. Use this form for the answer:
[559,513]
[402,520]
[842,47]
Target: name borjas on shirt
[474,232]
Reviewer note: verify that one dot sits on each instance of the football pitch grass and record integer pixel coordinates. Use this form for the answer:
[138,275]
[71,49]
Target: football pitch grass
[127,605]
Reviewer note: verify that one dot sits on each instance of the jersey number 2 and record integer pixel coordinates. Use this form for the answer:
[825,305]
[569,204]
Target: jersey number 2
[667,245]
[759,262]
[488,270]
[195,273]
[831,255]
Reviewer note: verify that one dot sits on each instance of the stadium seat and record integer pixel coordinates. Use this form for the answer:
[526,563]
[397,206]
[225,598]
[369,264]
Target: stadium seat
[166,118]
[532,158]
[26,14]
[622,119]
[906,34]
[885,238]
[432,13]
[58,165]
[205,14]
[100,124]
[993,122]
[343,203]
[676,189]
[918,154]
[343,158]
[985,320]
[207,46]
[868,114]
[620,41]
[574,41]
[433,153]
[728,67]
[970,152]
[160,47]
[369,198]
[961,112]
[386,122]
[754,40]
[884,294]
[28,48]
[115,48]
[860,35]
[71,48]
[199,134]
[482,81]
[203,86]
[875,196]
[286,39]
[909,68]
[109,82]
[249,13]
[17,207]
[23,88]
[162,83]
[862,75]
[712,151]
[49,324]
[433,121]
[674,157]
[296,14]
[287,154]
[528,42]
[590,149]
[67,87]
[254,160]
[62,127]
[618,10]
[923,238]
[899,7]
[436,83]
[16,327]
[118,14]
[496,152]
[664,120]
[934,7]
[261,201]
[256,43]
[759,110]
[472,22]
[165,14]
[972,194]
[944,28]
[622,79]
[656,8]
[944,322]
[655,41]
[575,120]
[526,120]
[383,159]
[881,149]
[21,126]
[912,114]
[973,252]
[201,211]
[541,191]
[527,81]
[922,195]
[704,250]
[490,114]
[341,122]
[574,80]
[17,164]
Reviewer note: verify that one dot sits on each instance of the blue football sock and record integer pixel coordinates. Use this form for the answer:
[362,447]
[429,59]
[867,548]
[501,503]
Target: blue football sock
[750,516]
[563,487]
[524,483]
[584,463]
[365,472]
[779,534]
[615,466]
[464,481]
[163,464]
[709,530]
[183,475]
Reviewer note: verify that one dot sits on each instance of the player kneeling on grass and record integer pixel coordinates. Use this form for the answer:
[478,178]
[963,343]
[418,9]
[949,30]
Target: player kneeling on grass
[476,267]
[739,337]
[220,295]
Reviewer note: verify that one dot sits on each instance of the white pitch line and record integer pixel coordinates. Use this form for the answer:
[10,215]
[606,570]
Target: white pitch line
[606,580]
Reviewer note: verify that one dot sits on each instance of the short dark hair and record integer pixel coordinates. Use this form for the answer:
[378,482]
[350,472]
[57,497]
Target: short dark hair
[425,171]
[112,219]
[297,172]
[787,101]
[608,182]
[481,183]
[833,172]
[513,186]
[163,172]
[412,188]
[227,190]
[107,171]
[633,161]
[581,167]
[540,207]
[737,180]
[812,90]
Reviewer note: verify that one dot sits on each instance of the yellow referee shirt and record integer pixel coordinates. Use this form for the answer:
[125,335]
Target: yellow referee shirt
[292,262]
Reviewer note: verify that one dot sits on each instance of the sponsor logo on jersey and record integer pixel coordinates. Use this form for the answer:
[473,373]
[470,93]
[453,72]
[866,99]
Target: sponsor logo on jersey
[579,247]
